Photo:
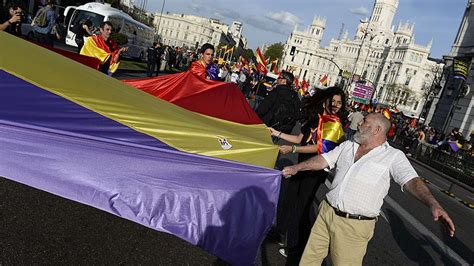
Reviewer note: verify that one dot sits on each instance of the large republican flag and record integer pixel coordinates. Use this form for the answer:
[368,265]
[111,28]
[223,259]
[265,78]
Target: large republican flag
[70,130]
[208,97]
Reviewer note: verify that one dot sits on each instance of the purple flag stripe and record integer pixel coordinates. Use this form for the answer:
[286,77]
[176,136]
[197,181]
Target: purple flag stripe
[225,207]
[23,102]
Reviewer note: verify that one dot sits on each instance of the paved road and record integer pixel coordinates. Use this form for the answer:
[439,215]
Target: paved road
[41,228]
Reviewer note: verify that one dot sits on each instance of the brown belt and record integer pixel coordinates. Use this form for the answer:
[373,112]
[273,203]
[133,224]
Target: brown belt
[348,215]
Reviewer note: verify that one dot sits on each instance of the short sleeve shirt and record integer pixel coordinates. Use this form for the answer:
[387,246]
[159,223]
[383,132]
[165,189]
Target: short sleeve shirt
[360,187]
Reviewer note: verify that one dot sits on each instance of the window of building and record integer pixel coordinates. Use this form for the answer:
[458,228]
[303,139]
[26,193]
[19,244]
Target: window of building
[293,59]
[416,105]
[407,82]
[309,61]
[317,32]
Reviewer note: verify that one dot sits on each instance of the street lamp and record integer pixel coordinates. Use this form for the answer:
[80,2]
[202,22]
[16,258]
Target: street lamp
[360,49]
[161,14]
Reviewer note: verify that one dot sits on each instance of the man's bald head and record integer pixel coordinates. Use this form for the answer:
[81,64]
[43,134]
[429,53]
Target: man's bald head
[381,121]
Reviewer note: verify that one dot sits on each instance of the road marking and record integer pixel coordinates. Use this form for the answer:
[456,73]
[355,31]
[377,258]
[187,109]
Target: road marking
[427,234]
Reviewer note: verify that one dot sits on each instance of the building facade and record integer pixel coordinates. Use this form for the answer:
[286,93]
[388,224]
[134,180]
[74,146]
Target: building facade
[193,31]
[384,57]
[454,109]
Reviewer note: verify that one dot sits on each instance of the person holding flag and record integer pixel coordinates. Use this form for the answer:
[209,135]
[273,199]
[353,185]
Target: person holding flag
[104,48]
[321,132]
[204,67]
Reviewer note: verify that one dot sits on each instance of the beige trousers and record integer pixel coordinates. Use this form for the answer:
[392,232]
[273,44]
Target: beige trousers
[346,239]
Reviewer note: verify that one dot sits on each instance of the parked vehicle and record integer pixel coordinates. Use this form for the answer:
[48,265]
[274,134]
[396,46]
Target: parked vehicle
[139,36]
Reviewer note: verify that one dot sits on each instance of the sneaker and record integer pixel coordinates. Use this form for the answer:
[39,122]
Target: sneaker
[283,252]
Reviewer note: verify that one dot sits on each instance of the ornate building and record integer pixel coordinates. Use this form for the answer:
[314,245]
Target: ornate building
[194,31]
[382,56]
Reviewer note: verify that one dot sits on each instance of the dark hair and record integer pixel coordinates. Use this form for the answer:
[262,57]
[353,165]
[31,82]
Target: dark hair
[288,77]
[102,25]
[314,105]
[14,6]
[206,46]
[88,23]
[154,44]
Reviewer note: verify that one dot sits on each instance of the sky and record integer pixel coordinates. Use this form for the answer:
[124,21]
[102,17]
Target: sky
[267,22]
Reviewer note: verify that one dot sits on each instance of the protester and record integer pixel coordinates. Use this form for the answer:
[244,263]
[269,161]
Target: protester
[321,132]
[11,21]
[159,52]
[347,216]
[355,118]
[82,30]
[152,55]
[204,67]
[104,48]
[282,107]
[43,24]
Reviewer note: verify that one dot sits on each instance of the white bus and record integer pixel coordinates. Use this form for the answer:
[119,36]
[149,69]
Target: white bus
[140,36]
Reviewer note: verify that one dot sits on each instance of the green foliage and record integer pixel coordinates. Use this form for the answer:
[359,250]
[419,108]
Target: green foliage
[274,51]
[119,38]
[113,3]
[248,53]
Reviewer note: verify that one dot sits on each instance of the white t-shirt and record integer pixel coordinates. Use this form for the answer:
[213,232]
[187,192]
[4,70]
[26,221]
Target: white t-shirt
[234,77]
[359,188]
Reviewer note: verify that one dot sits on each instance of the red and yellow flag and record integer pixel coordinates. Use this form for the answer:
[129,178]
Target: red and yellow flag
[261,62]
[324,80]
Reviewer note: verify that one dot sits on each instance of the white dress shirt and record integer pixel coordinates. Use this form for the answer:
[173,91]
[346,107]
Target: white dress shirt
[360,187]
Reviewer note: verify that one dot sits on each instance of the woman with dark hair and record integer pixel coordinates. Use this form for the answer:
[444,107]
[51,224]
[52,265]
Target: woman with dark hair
[82,30]
[204,67]
[321,132]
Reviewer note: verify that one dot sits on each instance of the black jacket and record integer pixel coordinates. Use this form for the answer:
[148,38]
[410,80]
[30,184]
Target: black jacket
[280,109]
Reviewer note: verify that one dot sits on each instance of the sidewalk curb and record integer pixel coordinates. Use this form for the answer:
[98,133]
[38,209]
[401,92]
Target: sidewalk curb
[468,204]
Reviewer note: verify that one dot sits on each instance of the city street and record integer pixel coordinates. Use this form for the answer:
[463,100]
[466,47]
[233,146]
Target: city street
[41,228]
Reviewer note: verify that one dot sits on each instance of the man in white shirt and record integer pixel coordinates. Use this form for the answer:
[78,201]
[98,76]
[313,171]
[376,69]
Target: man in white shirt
[347,217]
[355,118]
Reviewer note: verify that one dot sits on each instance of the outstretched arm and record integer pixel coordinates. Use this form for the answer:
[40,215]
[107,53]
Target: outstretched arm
[417,188]
[314,163]
[296,139]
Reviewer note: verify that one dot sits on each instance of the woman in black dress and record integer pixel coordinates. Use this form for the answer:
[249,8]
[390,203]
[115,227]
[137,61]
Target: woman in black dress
[321,132]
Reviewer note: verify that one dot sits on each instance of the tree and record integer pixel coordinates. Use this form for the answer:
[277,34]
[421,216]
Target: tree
[249,54]
[274,51]
[113,3]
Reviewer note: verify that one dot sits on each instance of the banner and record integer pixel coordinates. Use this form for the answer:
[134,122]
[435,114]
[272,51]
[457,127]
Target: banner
[460,68]
[362,93]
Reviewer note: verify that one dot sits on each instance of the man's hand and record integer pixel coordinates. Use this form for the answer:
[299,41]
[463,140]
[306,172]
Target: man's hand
[15,18]
[440,213]
[417,188]
[284,149]
[289,171]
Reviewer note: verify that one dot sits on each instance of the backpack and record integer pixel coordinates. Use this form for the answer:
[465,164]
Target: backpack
[41,18]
